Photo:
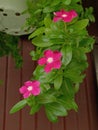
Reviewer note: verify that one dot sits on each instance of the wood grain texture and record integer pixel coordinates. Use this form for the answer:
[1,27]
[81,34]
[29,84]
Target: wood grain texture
[3,70]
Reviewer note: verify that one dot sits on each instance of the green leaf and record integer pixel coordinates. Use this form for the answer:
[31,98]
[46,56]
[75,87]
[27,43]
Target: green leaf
[74,75]
[42,41]
[45,87]
[48,9]
[39,70]
[37,32]
[68,103]
[66,2]
[35,108]
[58,82]
[68,88]
[55,2]
[51,116]
[34,55]
[57,27]
[46,98]
[74,71]
[42,76]
[76,88]
[57,109]
[67,55]
[47,21]
[30,100]
[89,14]
[87,43]
[18,106]
[81,24]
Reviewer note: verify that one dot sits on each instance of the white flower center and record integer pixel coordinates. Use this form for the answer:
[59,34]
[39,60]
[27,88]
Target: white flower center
[50,60]
[30,88]
[64,15]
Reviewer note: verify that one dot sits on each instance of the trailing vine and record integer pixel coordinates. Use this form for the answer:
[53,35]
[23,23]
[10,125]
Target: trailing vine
[62,42]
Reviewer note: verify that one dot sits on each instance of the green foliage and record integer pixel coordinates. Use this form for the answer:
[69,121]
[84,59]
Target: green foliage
[67,55]
[58,82]
[9,46]
[18,106]
[80,25]
[35,109]
[55,109]
[88,14]
[58,87]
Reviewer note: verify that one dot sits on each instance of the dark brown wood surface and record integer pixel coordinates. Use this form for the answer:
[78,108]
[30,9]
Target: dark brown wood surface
[85,119]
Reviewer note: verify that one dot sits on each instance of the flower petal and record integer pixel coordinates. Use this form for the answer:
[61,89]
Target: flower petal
[28,83]
[23,89]
[73,13]
[58,13]
[36,83]
[27,94]
[55,19]
[68,18]
[48,68]
[36,91]
[65,16]
[57,65]
[48,53]
[42,61]
[57,55]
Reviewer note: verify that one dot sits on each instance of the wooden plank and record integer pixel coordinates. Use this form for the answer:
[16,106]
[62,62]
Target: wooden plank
[82,114]
[42,123]
[12,96]
[3,68]
[59,125]
[79,120]
[71,122]
[27,121]
[91,91]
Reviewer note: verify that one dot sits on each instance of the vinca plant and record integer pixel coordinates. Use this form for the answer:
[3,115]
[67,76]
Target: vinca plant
[61,41]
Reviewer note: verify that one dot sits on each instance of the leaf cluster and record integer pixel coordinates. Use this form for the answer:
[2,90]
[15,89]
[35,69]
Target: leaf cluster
[9,46]
[59,87]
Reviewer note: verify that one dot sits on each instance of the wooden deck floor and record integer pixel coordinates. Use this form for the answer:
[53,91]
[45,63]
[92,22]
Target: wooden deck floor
[85,119]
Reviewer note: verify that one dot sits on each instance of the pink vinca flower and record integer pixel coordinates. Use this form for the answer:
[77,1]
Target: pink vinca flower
[30,88]
[51,59]
[66,16]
